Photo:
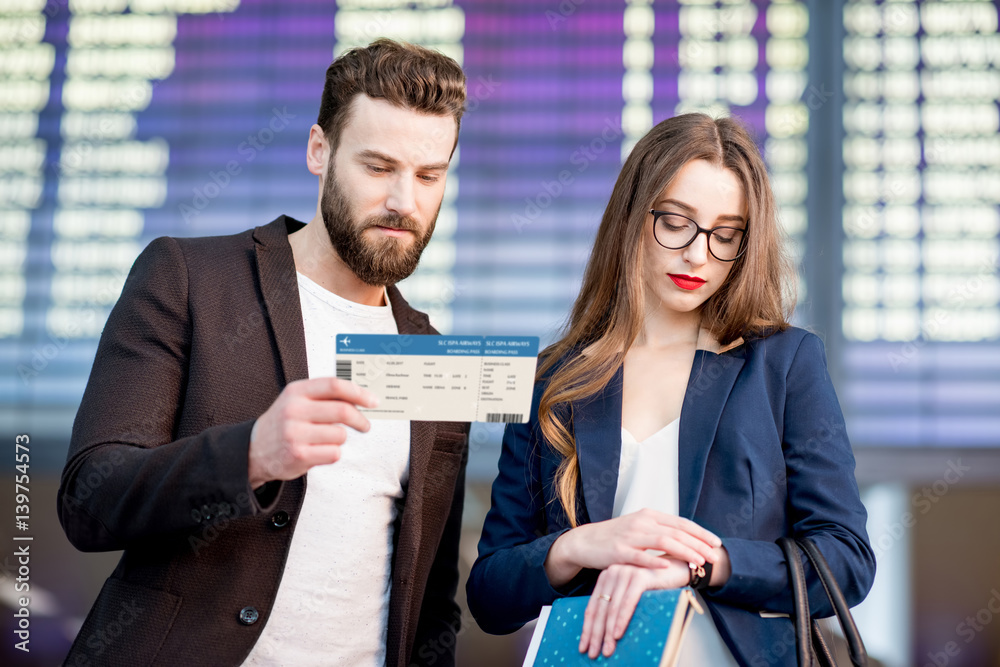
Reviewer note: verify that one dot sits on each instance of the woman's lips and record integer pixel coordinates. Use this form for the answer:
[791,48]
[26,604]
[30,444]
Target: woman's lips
[686,282]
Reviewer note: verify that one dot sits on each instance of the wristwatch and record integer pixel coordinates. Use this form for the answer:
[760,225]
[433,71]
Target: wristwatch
[700,575]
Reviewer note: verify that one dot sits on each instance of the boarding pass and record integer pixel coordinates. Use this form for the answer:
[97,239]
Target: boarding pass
[442,378]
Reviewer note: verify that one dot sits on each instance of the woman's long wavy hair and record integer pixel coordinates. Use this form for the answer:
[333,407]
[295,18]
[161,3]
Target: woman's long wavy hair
[756,298]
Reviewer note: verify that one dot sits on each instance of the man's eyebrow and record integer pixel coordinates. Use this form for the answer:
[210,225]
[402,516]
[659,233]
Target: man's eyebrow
[369,154]
[687,208]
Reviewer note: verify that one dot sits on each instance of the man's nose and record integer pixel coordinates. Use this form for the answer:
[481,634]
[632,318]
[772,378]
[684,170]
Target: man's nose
[401,198]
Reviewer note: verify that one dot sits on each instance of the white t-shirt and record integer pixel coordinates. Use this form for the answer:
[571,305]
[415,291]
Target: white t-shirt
[332,604]
[647,477]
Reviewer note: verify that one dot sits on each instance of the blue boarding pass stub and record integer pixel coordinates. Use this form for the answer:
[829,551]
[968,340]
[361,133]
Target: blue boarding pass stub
[442,378]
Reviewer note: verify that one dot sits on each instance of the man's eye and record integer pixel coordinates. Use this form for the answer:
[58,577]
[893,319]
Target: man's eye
[375,169]
[427,178]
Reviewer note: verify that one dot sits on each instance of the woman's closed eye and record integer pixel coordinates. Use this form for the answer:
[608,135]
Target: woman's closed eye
[727,236]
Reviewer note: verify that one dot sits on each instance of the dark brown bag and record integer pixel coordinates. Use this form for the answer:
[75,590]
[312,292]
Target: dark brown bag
[811,647]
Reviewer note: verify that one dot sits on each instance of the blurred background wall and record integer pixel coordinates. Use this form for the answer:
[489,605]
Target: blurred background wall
[121,121]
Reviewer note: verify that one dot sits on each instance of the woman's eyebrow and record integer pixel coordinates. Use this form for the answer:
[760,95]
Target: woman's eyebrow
[687,208]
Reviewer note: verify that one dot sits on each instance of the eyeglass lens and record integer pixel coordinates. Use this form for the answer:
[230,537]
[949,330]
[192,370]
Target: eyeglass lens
[675,231]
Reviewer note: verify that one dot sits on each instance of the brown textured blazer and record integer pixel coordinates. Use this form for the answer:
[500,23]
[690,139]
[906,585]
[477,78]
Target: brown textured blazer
[205,335]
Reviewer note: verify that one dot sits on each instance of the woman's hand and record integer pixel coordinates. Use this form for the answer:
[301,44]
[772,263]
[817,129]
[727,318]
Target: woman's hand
[625,540]
[615,597]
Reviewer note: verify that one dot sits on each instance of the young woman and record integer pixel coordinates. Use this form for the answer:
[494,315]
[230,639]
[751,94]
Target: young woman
[679,422]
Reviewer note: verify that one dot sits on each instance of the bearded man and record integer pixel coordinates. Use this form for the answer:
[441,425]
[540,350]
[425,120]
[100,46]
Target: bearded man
[213,405]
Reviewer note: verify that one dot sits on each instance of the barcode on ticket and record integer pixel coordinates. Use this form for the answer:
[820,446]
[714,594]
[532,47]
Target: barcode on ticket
[515,417]
[343,370]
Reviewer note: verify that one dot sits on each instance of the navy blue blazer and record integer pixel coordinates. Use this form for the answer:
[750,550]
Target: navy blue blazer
[763,453]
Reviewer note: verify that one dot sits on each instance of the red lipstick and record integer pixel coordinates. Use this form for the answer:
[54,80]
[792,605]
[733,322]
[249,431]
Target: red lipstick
[686,282]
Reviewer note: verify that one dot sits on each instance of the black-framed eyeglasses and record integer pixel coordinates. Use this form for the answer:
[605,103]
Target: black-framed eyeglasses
[675,231]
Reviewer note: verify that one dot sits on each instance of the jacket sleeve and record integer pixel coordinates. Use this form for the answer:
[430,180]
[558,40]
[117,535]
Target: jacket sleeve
[823,501]
[508,585]
[440,617]
[127,477]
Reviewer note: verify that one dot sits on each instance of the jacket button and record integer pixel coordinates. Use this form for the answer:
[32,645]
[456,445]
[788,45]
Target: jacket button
[248,616]
[280,519]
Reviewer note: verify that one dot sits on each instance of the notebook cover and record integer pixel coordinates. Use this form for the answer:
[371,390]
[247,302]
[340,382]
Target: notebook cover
[643,644]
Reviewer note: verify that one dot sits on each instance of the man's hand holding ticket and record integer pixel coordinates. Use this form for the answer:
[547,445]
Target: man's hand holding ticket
[442,378]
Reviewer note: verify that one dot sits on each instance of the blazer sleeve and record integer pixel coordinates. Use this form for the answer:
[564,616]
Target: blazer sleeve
[127,477]
[508,586]
[440,617]
[823,500]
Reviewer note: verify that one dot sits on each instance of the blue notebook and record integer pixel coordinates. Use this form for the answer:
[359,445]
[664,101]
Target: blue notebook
[652,639]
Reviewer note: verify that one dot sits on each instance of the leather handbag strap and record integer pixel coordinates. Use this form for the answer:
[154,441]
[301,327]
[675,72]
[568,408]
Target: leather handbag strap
[809,643]
[800,596]
[855,645]
[823,654]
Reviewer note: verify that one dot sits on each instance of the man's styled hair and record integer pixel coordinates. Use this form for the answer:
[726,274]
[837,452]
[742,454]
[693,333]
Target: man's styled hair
[405,75]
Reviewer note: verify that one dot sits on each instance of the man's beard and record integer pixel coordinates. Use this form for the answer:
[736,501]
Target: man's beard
[383,261]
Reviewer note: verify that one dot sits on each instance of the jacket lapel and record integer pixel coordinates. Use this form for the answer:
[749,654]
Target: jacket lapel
[404,609]
[408,320]
[280,289]
[597,423]
[712,377]
[597,427]
[412,322]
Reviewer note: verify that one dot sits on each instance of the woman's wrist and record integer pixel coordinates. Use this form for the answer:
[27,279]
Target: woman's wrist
[559,565]
[721,569]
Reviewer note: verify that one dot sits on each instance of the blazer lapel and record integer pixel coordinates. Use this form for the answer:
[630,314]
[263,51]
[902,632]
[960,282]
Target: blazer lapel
[408,320]
[597,427]
[413,322]
[280,289]
[404,608]
[712,377]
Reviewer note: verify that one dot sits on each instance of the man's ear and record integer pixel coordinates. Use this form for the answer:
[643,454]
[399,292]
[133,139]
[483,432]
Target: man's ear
[317,151]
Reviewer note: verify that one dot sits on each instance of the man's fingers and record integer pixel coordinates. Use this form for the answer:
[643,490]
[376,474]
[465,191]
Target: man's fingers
[333,412]
[285,465]
[333,388]
[308,435]
[305,427]
[315,455]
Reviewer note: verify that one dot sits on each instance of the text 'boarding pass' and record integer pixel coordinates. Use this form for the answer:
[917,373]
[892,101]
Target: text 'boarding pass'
[442,378]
